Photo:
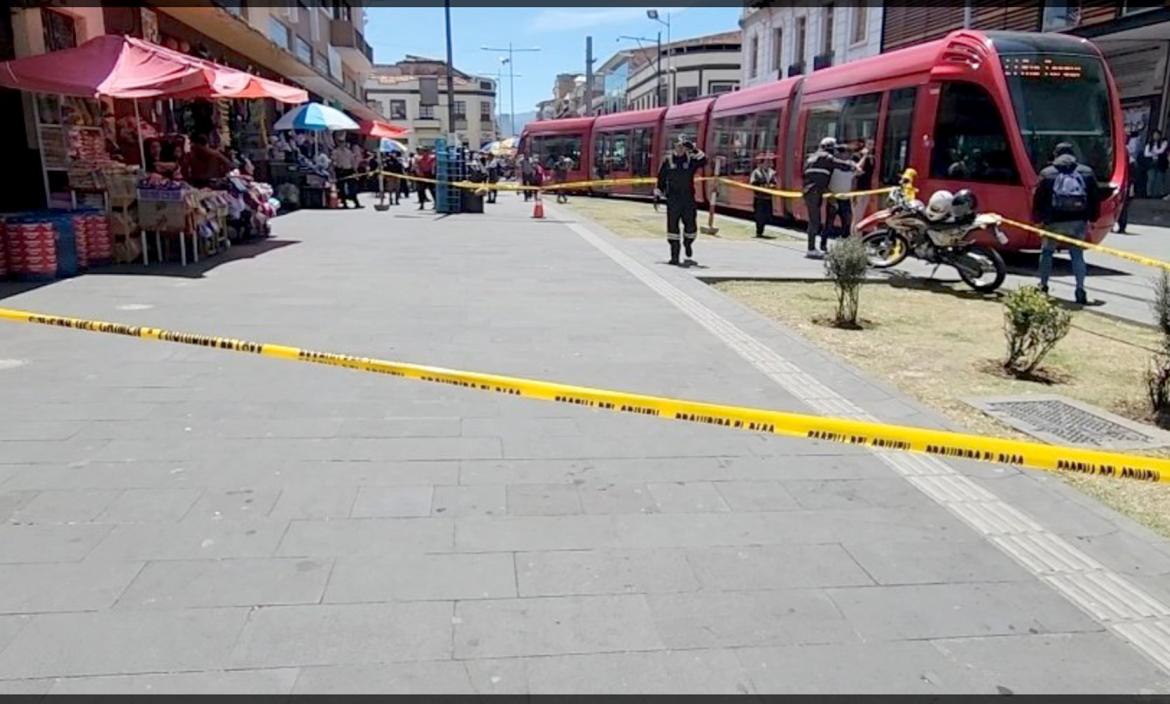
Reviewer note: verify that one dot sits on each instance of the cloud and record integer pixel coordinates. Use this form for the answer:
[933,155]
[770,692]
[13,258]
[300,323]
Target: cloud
[560,19]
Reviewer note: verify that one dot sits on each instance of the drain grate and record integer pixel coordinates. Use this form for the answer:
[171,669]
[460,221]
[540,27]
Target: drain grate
[1064,421]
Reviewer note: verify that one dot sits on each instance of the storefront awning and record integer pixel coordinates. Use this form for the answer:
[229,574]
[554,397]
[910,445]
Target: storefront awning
[118,66]
[377,128]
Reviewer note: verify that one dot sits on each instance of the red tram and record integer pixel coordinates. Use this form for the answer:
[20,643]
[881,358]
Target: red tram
[977,110]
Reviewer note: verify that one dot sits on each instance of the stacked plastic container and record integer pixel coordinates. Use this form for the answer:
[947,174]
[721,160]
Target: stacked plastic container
[95,244]
[31,245]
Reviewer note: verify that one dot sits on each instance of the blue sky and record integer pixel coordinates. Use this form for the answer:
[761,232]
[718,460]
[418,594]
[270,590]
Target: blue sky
[559,32]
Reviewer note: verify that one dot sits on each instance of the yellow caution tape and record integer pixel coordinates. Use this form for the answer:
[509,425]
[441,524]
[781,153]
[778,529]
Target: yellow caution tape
[840,430]
[800,194]
[1122,254]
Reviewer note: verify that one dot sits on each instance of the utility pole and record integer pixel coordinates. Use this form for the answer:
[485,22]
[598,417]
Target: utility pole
[658,73]
[653,14]
[589,76]
[511,75]
[450,73]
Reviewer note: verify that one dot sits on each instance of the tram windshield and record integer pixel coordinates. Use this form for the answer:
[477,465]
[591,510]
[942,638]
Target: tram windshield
[1062,98]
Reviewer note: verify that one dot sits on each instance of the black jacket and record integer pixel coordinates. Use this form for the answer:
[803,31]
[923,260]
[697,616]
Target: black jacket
[819,167]
[676,177]
[1042,200]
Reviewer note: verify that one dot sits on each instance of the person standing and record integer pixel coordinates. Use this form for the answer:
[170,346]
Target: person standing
[527,168]
[864,182]
[393,181]
[561,169]
[425,168]
[1133,149]
[676,183]
[840,209]
[344,169]
[1159,163]
[1067,199]
[493,172]
[818,169]
[764,176]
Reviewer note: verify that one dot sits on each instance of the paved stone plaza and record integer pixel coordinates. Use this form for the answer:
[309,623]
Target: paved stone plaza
[183,519]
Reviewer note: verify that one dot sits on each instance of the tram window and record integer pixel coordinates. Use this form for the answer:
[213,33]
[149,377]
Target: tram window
[642,151]
[619,151]
[691,132]
[741,143]
[970,142]
[722,141]
[600,154]
[859,115]
[823,121]
[896,141]
[550,148]
[764,135]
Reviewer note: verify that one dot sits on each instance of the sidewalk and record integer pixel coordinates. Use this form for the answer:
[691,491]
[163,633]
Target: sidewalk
[184,519]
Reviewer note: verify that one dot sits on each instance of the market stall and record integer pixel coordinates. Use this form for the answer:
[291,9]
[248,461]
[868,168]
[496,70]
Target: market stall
[93,141]
[318,183]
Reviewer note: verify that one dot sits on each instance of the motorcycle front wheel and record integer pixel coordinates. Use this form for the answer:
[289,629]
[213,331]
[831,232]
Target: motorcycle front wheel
[981,268]
[885,248]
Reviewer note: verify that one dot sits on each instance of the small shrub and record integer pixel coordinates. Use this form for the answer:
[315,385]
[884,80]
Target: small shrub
[1033,324]
[1158,376]
[845,264]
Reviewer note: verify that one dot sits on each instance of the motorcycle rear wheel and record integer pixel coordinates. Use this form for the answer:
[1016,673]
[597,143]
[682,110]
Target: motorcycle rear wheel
[992,269]
[885,248]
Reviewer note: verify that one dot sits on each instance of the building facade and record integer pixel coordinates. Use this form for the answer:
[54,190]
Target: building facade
[789,40]
[413,92]
[1134,38]
[690,69]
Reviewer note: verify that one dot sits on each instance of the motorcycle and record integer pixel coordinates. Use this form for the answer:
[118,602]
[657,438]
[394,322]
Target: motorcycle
[904,229]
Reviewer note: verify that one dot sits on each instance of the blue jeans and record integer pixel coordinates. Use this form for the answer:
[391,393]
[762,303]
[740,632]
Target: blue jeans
[1075,230]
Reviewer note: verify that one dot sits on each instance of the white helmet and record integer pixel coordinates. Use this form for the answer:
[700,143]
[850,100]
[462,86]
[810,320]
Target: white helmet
[939,206]
[828,143]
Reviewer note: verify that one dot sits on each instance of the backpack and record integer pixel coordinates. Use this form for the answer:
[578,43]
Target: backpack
[1069,193]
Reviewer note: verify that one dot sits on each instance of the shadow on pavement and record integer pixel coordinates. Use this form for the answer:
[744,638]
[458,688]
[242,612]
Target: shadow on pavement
[191,271]
[1028,264]
[958,289]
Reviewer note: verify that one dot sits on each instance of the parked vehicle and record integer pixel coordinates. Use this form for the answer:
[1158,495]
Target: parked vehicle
[944,232]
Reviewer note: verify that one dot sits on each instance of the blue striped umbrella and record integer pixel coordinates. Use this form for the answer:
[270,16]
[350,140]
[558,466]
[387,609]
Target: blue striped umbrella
[315,117]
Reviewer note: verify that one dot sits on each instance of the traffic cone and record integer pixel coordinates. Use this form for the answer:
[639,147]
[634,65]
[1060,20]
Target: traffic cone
[538,208]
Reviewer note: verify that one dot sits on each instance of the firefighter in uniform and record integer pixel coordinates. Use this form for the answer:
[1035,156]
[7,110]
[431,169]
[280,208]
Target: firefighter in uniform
[817,170]
[676,183]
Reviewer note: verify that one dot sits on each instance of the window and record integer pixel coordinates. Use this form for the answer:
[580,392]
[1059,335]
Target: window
[686,94]
[549,148]
[754,58]
[460,109]
[397,109]
[896,140]
[673,132]
[860,21]
[426,112]
[291,13]
[1050,107]
[970,142]
[642,152]
[60,30]
[334,62]
[720,87]
[619,152]
[304,51]
[778,49]
[764,134]
[314,25]
[278,32]
[851,121]
[486,85]
[1061,14]
[801,39]
[827,30]
[485,111]
[321,62]
[741,144]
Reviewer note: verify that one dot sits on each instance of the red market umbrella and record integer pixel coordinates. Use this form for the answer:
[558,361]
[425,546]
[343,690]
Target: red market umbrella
[377,128]
[109,65]
[118,66]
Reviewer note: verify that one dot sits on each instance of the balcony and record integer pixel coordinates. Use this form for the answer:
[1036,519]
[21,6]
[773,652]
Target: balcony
[350,43]
[822,61]
[796,69]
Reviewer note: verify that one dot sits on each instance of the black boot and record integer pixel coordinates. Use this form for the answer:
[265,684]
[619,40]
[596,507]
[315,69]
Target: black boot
[688,243]
[674,247]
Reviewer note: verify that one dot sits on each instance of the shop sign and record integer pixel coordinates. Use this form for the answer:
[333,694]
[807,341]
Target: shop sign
[1138,70]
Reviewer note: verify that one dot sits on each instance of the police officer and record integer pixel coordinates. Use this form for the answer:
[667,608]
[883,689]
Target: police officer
[676,183]
[818,168]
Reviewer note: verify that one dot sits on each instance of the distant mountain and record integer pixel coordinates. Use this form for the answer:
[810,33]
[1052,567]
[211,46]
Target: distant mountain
[522,118]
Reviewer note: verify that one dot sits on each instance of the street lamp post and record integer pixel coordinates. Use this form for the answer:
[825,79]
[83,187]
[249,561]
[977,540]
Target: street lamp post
[450,73]
[653,14]
[499,74]
[511,76]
